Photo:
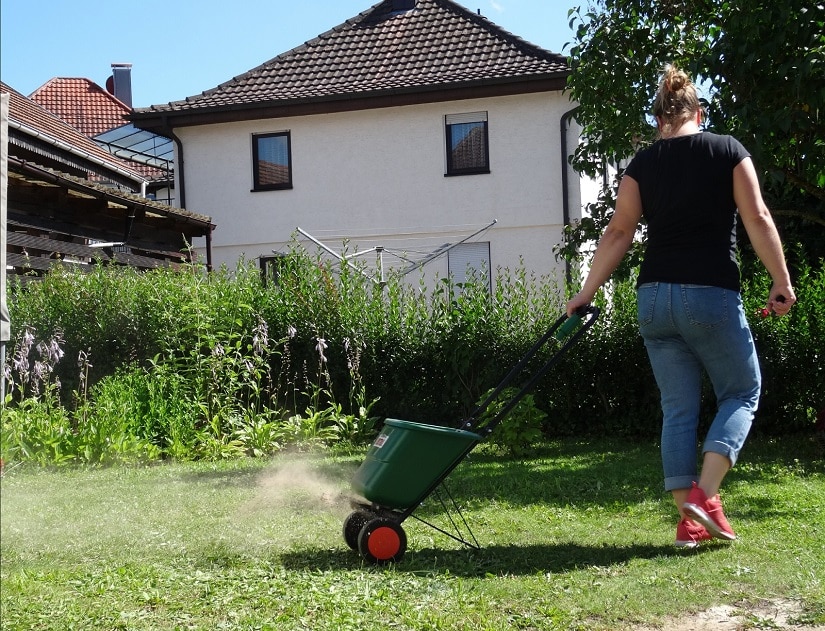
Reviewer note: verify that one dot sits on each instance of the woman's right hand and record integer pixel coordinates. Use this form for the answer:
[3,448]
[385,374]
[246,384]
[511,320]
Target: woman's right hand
[577,301]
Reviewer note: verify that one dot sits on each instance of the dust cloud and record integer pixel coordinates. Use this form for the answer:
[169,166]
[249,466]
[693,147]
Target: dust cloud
[295,483]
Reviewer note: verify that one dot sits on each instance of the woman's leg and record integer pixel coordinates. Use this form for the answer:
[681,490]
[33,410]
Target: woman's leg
[715,326]
[678,374]
[726,349]
[714,469]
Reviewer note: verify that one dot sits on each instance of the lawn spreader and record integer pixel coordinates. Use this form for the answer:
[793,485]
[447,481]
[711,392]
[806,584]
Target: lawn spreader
[410,461]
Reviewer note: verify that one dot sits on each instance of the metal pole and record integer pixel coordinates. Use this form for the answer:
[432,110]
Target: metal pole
[5,322]
[2,374]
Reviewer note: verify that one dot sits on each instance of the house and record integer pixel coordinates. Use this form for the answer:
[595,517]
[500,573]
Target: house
[415,133]
[101,115]
[69,199]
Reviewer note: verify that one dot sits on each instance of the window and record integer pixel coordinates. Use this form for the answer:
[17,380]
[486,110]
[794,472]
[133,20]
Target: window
[467,143]
[271,161]
[470,262]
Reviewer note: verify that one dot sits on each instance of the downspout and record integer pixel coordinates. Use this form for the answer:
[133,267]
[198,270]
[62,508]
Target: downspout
[209,247]
[564,124]
[179,166]
[179,170]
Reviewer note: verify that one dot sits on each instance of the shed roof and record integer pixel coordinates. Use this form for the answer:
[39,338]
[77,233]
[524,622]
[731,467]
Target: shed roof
[39,131]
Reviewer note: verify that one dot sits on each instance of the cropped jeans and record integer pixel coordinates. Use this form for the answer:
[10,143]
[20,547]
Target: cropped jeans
[689,330]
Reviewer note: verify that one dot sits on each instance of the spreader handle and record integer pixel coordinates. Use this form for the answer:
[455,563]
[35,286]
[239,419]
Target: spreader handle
[570,324]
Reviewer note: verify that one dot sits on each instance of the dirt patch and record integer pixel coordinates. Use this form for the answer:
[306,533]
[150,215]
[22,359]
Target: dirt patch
[765,614]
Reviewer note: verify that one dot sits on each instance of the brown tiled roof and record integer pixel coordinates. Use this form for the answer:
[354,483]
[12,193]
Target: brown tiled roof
[433,47]
[91,110]
[82,104]
[46,129]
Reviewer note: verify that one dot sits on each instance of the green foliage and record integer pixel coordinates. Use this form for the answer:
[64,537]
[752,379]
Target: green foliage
[41,430]
[37,431]
[760,66]
[521,430]
[791,353]
[199,378]
[242,368]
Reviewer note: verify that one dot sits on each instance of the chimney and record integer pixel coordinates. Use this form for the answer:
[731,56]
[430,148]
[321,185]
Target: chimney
[120,83]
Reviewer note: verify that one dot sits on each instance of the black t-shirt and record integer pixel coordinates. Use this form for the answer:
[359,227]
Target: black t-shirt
[686,185]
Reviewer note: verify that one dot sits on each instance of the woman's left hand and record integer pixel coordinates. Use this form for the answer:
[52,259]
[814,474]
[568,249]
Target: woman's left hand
[781,300]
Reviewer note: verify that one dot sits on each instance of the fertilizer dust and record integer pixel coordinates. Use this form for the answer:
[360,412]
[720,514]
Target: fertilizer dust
[295,484]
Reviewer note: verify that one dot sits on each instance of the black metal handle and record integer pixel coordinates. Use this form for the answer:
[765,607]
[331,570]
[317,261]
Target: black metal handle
[560,329]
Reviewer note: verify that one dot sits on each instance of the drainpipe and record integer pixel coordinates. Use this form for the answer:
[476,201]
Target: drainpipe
[564,125]
[179,165]
[179,170]
[209,247]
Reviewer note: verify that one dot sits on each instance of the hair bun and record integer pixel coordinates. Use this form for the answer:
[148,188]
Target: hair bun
[676,100]
[675,79]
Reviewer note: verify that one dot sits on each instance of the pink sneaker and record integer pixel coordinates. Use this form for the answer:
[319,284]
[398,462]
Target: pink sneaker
[689,534]
[709,513]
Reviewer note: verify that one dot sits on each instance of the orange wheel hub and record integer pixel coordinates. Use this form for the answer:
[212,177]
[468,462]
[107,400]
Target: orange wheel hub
[384,543]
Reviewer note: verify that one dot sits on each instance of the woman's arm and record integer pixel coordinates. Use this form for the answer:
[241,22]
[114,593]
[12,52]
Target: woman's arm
[614,243]
[763,235]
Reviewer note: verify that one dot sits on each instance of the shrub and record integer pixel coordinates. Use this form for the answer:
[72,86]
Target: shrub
[184,364]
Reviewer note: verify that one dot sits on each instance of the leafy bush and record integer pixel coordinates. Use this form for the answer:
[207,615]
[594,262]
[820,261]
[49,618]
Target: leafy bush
[183,364]
[520,431]
[791,352]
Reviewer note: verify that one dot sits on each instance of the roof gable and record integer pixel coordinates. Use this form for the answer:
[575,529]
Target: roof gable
[82,103]
[36,129]
[382,51]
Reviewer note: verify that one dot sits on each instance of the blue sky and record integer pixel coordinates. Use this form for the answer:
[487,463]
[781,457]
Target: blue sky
[179,48]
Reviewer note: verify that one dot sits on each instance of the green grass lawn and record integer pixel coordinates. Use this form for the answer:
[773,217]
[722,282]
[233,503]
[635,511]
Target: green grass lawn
[577,537]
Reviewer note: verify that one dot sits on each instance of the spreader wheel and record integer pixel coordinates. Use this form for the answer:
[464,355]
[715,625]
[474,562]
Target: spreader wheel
[382,541]
[352,527]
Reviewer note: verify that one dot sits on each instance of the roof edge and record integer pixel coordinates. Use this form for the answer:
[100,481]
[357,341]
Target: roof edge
[164,121]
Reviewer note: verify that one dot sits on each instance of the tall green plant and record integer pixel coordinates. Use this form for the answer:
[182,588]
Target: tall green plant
[242,367]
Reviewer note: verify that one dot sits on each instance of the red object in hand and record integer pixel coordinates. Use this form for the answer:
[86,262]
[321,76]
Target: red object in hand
[765,312]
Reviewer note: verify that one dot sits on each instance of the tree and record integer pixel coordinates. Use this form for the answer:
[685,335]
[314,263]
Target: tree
[761,67]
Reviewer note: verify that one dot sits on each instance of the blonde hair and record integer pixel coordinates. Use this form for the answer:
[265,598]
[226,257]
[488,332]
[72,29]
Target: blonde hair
[676,99]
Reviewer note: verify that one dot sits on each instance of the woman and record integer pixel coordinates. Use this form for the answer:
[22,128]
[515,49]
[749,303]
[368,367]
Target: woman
[689,185]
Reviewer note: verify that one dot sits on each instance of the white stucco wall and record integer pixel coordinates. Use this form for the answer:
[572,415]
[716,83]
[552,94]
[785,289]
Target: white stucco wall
[376,178]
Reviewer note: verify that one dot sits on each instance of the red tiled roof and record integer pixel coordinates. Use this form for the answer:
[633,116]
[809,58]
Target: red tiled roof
[82,104]
[381,51]
[41,124]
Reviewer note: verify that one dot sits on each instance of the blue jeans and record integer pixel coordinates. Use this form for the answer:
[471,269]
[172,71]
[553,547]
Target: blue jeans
[688,330]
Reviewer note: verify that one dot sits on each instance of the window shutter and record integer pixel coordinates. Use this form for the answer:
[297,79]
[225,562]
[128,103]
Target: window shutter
[468,117]
[466,257]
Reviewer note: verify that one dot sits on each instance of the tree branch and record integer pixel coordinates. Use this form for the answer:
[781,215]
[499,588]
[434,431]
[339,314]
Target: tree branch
[808,187]
[786,212]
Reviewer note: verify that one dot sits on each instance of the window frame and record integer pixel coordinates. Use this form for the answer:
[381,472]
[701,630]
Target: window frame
[256,183]
[452,120]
